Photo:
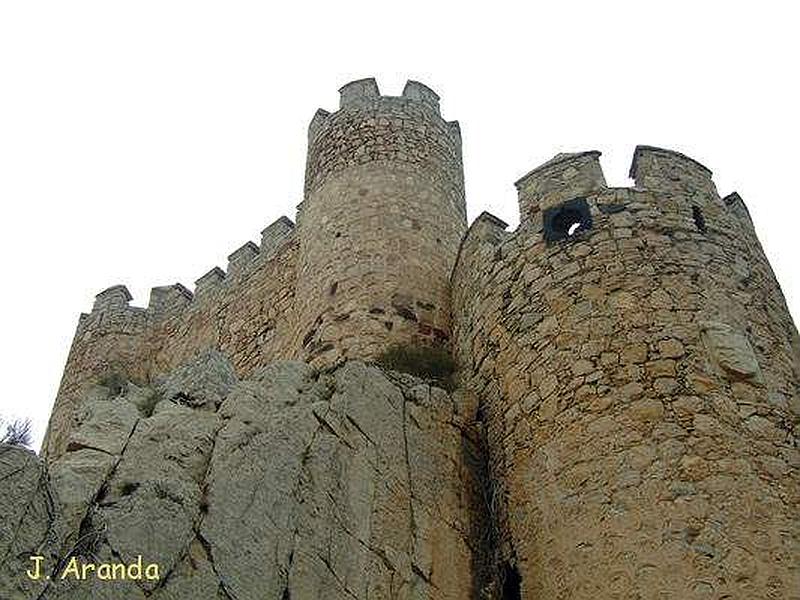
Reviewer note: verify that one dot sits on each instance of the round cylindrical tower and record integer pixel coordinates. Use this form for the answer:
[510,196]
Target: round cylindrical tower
[639,374]
[379,226]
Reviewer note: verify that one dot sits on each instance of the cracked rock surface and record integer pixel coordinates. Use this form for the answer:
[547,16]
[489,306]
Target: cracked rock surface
[352,483]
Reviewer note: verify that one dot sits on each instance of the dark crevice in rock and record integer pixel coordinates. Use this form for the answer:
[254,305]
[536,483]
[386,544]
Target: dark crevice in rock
[75,446]
[223,585]
[327,427]
[413,521]
[511,583]
[419,573]
[338,579]
[360,430]
[185,399]
[322,424]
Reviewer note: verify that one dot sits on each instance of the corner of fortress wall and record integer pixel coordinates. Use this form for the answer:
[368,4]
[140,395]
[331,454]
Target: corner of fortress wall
[637,379]
[246,313]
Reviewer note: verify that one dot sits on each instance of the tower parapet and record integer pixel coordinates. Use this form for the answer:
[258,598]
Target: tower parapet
[369,128]
[561,178]
[655,168]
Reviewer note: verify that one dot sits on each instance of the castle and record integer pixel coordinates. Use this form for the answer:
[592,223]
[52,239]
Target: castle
[635,366]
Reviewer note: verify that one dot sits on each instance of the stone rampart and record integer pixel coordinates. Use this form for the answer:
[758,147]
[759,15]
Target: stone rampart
[246,313]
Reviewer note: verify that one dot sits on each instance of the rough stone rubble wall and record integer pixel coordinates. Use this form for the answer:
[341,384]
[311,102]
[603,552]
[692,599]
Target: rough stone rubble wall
[349,484]
[380,225]
[246,313]
[640,389]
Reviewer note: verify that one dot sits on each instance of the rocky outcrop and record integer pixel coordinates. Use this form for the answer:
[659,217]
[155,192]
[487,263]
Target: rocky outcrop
[30,523]
[352,483]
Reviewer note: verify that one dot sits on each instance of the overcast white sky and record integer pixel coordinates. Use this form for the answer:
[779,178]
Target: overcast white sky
[141,142]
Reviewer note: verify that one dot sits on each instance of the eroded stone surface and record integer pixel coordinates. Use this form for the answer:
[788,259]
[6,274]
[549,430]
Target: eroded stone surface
[202,383]
[731,350]
[352,483]
[30,521]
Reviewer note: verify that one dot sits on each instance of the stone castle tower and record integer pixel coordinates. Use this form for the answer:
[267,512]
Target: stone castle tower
[627,366]
[381,223]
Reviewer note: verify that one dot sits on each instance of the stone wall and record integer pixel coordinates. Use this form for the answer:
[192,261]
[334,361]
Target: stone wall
[639,382]
[245,313]
[380,224]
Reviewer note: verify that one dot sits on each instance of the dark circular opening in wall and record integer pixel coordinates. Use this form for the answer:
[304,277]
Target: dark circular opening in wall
[567,219]
[568,222]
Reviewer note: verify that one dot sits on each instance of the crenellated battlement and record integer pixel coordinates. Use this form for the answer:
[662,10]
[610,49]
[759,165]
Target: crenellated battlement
[655,168]
[565,176]
[167,300]
[275,235]
[209,283]
[359,92]
[485,229]
[363,92]
[370,127]
[241,258]
[414,90]
[736,204]
[171,299]
[571,177]
[112,298]
[317,123]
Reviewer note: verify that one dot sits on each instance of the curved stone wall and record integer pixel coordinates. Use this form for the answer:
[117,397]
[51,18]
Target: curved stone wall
[639,382]
[380,225]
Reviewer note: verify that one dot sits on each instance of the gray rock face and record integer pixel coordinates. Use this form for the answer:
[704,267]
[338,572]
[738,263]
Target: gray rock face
[30,523]
[202,383]
[294,484]
[104,425]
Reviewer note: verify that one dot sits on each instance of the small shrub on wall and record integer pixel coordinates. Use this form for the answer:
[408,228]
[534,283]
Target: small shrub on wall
[434,364]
